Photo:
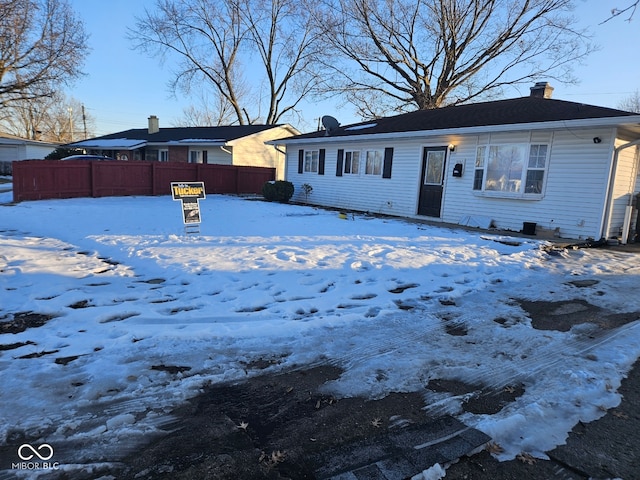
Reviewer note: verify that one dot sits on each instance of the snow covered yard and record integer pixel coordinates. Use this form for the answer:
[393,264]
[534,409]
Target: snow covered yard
[110,316]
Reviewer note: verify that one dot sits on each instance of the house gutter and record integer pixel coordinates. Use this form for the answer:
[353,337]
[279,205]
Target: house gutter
[606,220]
[544,125]
[284,154]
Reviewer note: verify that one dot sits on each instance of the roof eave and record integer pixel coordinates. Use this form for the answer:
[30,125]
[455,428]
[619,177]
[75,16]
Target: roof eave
[633,120]
[92,144]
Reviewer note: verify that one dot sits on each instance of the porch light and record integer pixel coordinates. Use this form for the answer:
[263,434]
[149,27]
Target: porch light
[452,147]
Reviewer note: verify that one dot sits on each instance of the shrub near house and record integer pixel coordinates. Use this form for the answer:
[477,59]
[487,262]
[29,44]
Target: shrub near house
[278,191]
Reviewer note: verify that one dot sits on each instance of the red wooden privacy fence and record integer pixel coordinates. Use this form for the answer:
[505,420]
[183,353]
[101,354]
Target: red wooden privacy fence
[42,179]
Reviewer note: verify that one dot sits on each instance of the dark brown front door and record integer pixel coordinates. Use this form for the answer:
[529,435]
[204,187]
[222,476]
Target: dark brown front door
[431,185]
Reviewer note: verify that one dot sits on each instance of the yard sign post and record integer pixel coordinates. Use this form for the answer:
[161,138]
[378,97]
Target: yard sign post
[189,194]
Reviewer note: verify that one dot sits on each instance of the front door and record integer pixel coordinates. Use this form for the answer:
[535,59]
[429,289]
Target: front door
[431,185]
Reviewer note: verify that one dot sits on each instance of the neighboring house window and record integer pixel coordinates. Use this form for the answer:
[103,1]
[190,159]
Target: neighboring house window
[151,155]
[163,155]
[195,156]
[373,163]
[311,160]
[352,163]
[510,169]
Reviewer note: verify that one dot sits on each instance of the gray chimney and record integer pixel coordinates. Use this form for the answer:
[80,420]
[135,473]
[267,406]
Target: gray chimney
[154,124]
[541,90]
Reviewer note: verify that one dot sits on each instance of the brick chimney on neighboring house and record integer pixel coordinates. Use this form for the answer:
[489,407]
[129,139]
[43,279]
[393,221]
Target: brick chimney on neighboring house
[154,124]
[541,90]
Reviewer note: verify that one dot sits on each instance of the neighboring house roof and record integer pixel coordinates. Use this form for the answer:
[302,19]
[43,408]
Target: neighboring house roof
[8,139]
[138,137]
[517,111]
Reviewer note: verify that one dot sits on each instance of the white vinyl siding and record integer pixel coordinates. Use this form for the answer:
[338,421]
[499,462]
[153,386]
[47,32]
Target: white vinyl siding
[9,154]
[393,196]
[623,188]
[576,170]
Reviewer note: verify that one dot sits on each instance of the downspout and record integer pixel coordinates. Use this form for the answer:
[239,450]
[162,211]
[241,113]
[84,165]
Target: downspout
[606,220]
[228,152]
[284,154]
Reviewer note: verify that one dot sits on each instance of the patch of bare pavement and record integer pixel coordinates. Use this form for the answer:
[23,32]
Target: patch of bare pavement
[283,426]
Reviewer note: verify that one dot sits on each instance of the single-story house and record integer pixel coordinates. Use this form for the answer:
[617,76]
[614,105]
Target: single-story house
[226,145]
[13,148]
[524,164]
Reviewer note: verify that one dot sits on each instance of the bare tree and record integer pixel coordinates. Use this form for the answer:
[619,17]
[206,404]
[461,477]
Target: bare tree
[55,119]
[431,53]
[631,103]
[42,45]
[288,44]
[216,41]
[211,110]
[629,9]
[204,36]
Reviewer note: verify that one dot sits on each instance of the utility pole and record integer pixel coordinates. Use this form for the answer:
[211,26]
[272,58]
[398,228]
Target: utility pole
[70,122]
[84,122]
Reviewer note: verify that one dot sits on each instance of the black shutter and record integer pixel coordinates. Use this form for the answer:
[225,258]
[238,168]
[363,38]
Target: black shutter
[300,161]
[321,162]
[388,161]
[339,163]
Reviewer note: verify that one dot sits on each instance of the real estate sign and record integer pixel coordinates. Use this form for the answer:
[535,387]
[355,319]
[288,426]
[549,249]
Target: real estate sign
[189,194]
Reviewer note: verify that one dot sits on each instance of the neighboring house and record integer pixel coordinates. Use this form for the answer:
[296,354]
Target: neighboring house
[14,148]
[567,169]
[226,145]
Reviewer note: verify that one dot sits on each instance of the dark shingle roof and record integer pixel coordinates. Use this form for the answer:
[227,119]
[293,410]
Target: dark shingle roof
[500,112]
[224,133]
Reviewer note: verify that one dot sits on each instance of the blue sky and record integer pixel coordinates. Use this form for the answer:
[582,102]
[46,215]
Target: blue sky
[122,87]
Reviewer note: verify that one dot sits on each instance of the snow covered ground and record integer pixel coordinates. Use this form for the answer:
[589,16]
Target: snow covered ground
[142,316]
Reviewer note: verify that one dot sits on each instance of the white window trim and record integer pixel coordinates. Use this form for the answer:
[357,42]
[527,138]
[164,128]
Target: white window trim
[362,167]
[520,194]
[309,161]
[380,155]
[345,162]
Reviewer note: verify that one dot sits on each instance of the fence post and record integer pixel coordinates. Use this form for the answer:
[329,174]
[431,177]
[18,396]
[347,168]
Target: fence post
[94,178]
[154,192]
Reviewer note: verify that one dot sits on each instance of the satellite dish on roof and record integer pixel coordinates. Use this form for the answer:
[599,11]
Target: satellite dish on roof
[330,124]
